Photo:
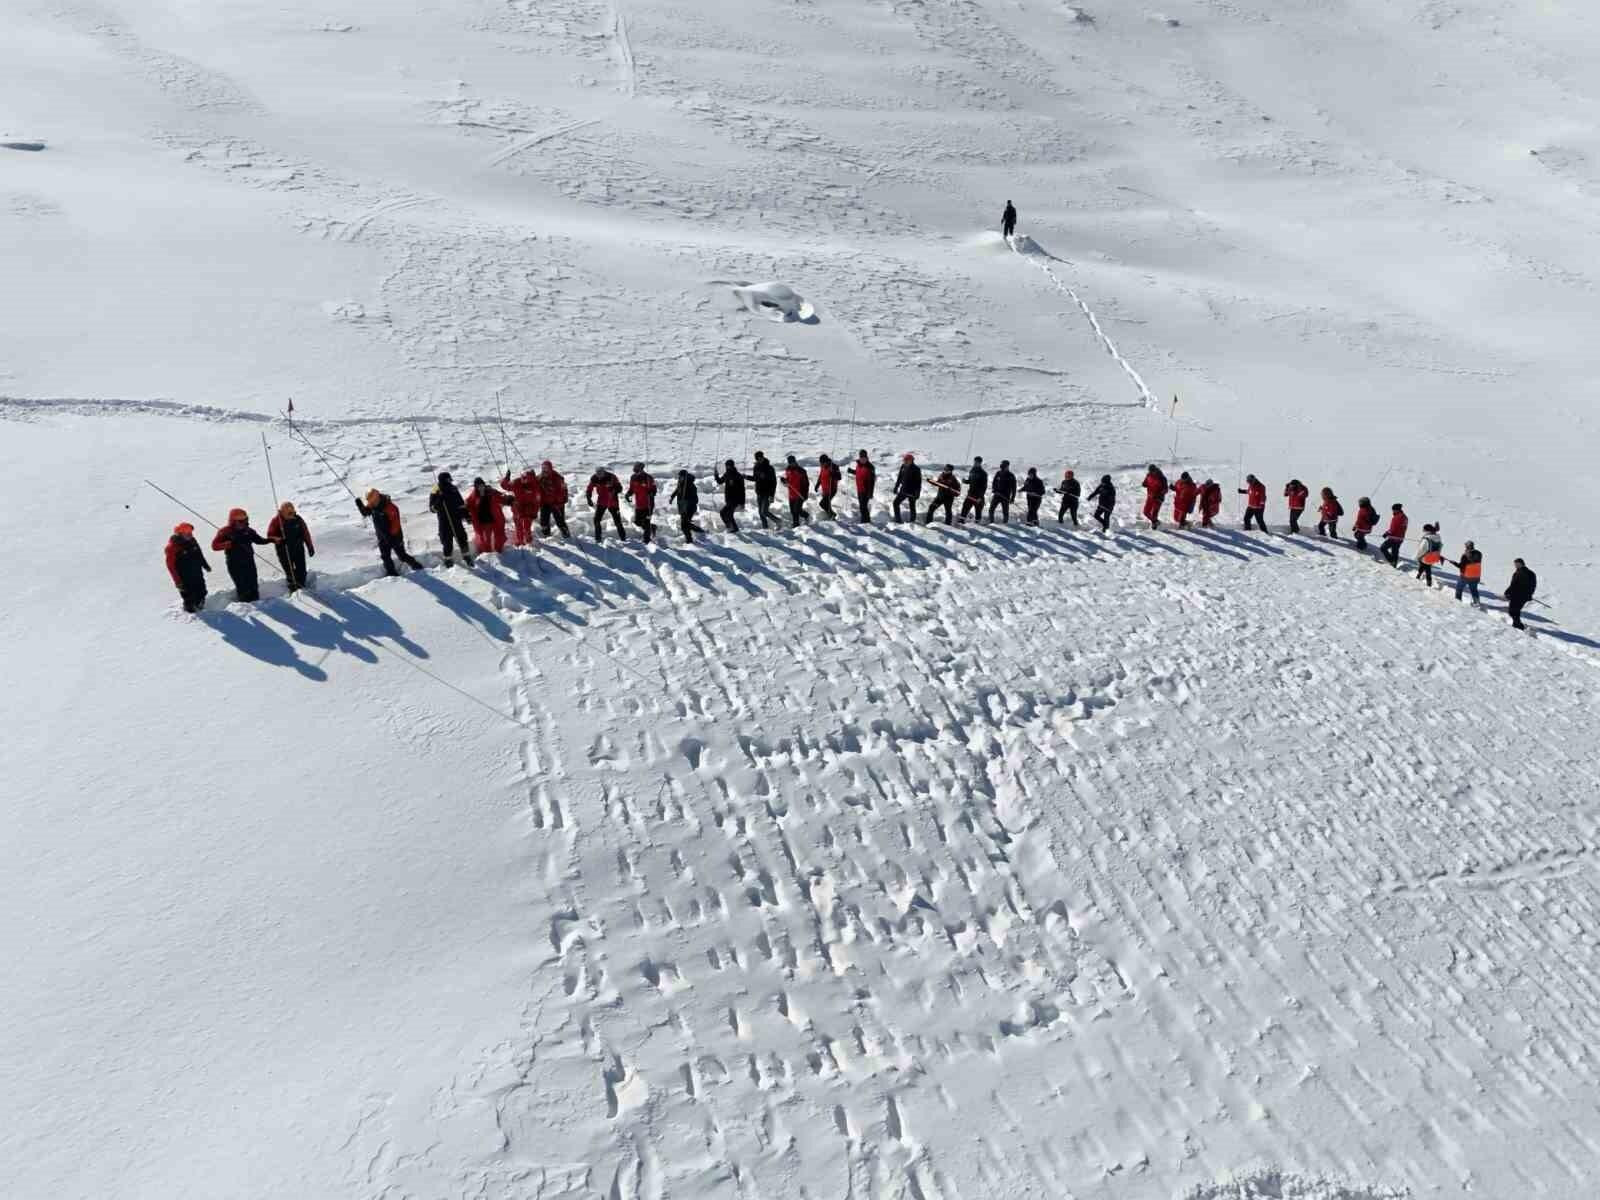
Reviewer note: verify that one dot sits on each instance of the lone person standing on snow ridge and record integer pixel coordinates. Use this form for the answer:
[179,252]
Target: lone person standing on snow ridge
[1519,591]
[1008,221]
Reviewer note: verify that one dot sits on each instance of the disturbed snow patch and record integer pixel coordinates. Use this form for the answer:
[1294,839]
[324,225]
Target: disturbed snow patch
[775,301]
[1271,1185]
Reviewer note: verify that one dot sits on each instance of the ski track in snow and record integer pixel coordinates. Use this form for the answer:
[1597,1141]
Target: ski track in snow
[832,828]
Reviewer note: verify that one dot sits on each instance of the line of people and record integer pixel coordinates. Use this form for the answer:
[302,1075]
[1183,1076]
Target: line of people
[542,496]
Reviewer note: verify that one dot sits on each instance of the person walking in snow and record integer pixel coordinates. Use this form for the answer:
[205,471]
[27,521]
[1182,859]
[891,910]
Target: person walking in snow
[686,498]
[1069,489]
[552,499]
[1430,552]
[1255,502]
[1366,521]
[797,486]
[238,541]
[945,489]
[828,476]
[486,509]
[187,565]
[1184,494]
[1210,502]
[1328,513]
[1296,493]
[977,486]
[291,539]
[1470,566]
[524,491]
[1519,592]
[447,504]
[1105,498]
[1008,220]
[604,494]
[1033,493]
[1155,491]
[732,481]
[907,486]
[866,477]
[642,493]
[1002,491]
[765,476]
[385,517]
[1395,536]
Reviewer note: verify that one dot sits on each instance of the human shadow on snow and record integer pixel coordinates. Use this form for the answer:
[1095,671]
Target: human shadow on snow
[252,636]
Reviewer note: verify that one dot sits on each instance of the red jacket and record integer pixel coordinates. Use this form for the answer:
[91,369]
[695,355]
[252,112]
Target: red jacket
[866,477]
[1366,519]
[1183,494]
[552,489]
[524,491]
[1330,509]
[1297,496]
[642,491]
[487,509]
[1155,485]
[1397,526]
[795,479]
[1255,496]
[1210,500]
[606,486]
[275,532]
[828,479]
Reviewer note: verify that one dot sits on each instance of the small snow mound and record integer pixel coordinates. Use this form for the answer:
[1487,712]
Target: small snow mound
[35,146]
[1076,15]
[1163,19]
[776,302]
[1023,244]
[1271,1185]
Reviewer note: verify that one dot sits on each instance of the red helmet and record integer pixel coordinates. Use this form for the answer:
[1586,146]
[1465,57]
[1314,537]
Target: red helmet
[237,514]
[908,457]
[183,529]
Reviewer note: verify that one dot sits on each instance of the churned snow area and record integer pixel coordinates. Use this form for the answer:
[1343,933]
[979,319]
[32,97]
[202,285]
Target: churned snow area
[917,863]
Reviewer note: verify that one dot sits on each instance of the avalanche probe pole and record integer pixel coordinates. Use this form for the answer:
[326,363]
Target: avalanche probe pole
[321,456]
[210,522]
[427,459]
[271,482]
[489,448]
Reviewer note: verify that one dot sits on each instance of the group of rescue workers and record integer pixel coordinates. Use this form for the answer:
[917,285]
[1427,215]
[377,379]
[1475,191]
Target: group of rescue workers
[543,496]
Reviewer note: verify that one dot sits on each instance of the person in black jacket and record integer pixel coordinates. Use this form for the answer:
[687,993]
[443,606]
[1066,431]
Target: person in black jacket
[238,541]
[686,496]
[1070,490]
[866,477]
[447,503]
[907,487]
[765,476]
[1105,498]
[291,537]
[187,565]
[732,482]
[1002,491]
[385,517]
[1008,220]
[1519,591]
[1033,492]
[945,487]
[1470,564]
[977,485]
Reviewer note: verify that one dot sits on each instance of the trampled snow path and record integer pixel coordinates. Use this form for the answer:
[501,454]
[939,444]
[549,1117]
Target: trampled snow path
[992,863]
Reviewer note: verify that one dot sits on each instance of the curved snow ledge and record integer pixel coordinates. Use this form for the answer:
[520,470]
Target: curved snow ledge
[776,302]
[1270,1185]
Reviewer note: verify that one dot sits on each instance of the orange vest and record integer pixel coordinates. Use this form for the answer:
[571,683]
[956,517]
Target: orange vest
[1473,570]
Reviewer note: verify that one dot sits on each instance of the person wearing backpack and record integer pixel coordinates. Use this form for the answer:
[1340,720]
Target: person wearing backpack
[1366,521]
[1430,552]
[1328,514]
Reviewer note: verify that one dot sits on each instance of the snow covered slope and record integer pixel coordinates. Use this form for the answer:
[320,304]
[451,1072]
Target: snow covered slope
[903,863]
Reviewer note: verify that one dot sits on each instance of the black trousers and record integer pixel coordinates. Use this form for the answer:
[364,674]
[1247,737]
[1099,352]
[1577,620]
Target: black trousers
[1361,539]
[797,511]
[1425,571]
[193,595]
[825,502]
[452,530]
[764,507]
[945,500]
[726,513]
[641,518]
[686,524]
[865,504]
[1103,515]
[1514,607]
[973,505]
[556,513]
[1391,551]
[1294,520]
[396,547]
[616,517]
[1069,508]
[246,585]
[1033,508]
[1329,528]
[911,502]
[292,558]
[1258,515]
[1003,505]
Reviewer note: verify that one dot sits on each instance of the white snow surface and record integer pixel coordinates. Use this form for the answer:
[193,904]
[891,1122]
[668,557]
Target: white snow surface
[854,861]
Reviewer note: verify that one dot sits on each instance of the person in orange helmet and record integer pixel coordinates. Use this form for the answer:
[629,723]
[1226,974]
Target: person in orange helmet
[291,537]
[238,541]
[187,565]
